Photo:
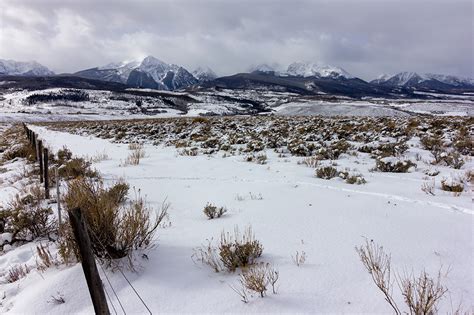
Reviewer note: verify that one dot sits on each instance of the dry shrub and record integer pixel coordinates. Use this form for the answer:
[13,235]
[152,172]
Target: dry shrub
[64,155]
[207,255]
[421,294]
[233,251]
[27,216]
[393,166]
[14,144]
[257,278]
[432,142]
[20,150]
[189,152]
[211,211]
[456,186]
[116,227]
[428,187]
[236,250]
[448,158]
[352,178]
[326,172]
[378,264]
[464,142]
[16,273]
[76,167]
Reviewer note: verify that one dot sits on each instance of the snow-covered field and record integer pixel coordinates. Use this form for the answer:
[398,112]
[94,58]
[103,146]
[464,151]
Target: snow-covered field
[103,105]
[289,209]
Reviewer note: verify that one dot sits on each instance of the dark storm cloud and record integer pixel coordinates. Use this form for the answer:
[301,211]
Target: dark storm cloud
[364,37]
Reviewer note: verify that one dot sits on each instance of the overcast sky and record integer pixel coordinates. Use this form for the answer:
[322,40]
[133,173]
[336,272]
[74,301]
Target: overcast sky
[365,37]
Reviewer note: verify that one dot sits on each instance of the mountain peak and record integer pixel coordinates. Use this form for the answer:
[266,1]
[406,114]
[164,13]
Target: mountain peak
[263,67]
[150,60]
[33,68]
[414,79]
[204,74]
[310,69]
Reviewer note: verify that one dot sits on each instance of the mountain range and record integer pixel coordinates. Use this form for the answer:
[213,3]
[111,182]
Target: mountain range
[299,77]
[29,68]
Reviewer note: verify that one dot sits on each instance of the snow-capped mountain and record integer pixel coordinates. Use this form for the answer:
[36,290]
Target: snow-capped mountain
[29,68]
[147,73]
[311,69]
[204,74]
[381,78]
[262,68]
[451,79]
[425,81]
[122,69]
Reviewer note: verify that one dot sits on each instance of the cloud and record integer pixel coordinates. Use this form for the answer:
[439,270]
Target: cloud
[366,37]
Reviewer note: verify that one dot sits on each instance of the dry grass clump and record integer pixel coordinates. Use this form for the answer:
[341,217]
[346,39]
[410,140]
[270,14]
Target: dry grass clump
[421,294]
[257,278]
[212,211]
[299,258]
[312,161]
[46,259]
[326,172]
[116,227]
[16,273]
[136,155]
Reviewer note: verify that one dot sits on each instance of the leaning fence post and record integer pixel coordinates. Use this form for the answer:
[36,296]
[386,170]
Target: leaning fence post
[46,176]
[96,290]
[40,150]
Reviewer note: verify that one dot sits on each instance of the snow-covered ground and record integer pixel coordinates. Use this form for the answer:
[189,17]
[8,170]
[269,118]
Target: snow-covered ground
[296,212]
[114,105]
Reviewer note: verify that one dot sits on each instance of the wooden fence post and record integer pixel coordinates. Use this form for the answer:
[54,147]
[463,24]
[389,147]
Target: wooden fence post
[96,290]
[33,144]
[56,176]
[40,150]
[46,176]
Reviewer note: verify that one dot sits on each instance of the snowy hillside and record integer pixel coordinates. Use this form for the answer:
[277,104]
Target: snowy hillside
[30,68]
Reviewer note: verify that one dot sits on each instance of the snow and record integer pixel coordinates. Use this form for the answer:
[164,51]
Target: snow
[297,212]
[204,74]
[309,69]
[402,78]
[262,68]
[12,67]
